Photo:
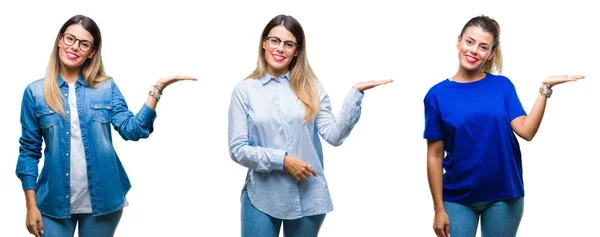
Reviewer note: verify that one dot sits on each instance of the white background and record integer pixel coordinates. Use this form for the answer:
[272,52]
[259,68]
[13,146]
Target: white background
[185,184]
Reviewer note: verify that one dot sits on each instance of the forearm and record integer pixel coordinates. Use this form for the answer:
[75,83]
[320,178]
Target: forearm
[257,158]
[30,198]
[435,178]
[152,101]
[534,119]
[333,129]
[528,126]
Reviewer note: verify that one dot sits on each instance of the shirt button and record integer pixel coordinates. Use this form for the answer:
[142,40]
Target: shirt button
[66,94]
[87,153]
[67,133]
[83,132]
[67,174]
[67,154]
[67,196]
[95,106]
[67,112]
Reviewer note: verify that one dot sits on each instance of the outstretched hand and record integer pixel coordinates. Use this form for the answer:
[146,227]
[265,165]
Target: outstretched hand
[166,81]
[365,85]
[555,80]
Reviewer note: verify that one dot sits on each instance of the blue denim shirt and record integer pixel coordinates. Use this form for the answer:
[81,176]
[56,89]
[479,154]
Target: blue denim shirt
[266,122]
[98,108]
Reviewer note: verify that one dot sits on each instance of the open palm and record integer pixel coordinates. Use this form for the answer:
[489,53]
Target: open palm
[555,80]
[166,81]
[365,85]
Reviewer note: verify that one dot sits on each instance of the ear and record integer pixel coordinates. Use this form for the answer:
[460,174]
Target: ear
[92,53]
[489,57]
[264,44]
[458,42]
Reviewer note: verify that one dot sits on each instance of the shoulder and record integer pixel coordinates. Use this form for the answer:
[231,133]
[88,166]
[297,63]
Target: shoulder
[246,86]
[107,84]
[247,83]
[36,87]
[436,89]
[500,79]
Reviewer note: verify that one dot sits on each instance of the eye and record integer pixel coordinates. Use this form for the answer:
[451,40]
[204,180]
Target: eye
[290,44]
[484,48]
[69,38]
[274,40]
[469,42]
[86,44]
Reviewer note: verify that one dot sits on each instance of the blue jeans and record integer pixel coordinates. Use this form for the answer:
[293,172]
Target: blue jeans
[498,218]
[89,226]
[258,224]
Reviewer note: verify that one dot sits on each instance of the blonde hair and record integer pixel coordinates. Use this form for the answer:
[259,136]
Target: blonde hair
[490,25]
[92,69]
[303,80]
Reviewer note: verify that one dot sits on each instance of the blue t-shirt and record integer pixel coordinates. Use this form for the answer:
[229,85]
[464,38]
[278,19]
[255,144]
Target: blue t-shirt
[483,158]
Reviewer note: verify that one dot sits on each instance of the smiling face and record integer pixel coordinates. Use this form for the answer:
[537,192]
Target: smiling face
[474,48]
[280,49]
[73,56]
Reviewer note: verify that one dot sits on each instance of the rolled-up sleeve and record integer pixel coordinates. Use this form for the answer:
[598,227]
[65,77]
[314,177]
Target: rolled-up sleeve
[130,126]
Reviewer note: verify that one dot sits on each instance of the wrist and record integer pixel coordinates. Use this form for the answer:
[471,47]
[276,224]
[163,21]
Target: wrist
[439,207]
[30,205]
[155,92]
[546,89]
[160,86]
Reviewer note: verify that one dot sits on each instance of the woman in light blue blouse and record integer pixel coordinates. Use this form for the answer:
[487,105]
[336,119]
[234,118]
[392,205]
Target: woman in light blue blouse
[82,182]
[275,119]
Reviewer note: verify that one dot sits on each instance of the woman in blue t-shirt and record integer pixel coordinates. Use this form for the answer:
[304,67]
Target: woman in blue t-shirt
[473,117]
[69,112]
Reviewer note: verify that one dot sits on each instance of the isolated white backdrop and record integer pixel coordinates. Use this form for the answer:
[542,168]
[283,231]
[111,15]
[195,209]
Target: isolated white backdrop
[185,184]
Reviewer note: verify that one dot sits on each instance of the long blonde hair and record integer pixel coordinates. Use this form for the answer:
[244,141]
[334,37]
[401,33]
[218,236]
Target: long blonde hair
[303,80]
[92,69]
[490,25]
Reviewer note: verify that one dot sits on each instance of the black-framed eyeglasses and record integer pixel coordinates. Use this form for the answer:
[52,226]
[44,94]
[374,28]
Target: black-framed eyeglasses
[70,39]
[275,41]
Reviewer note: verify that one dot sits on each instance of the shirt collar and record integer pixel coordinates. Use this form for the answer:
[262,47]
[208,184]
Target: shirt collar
[267,78]
[62,81]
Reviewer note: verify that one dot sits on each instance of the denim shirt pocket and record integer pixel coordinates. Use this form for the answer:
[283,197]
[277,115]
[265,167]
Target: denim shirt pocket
[46,117]
[101,111]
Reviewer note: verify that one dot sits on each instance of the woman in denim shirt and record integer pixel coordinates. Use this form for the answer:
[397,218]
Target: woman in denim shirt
[71,109]
[275,119]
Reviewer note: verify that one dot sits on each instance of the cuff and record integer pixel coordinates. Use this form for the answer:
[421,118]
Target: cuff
[277,159]
[28,182]
[355,96]
[146,116]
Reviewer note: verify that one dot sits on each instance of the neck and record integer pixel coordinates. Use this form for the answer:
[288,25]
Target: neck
[467,76]
[68,74]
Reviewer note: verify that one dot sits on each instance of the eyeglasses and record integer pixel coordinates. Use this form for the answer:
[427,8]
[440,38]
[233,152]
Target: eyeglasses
[275,41]
[84,45]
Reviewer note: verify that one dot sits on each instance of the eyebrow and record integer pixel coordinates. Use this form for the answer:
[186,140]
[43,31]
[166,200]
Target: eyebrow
[476,40]
[78,38]
[282,40]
